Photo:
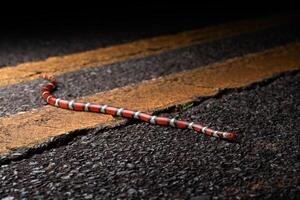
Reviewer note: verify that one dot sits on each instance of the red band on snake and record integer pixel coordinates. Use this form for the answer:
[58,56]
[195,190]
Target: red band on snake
[121,112]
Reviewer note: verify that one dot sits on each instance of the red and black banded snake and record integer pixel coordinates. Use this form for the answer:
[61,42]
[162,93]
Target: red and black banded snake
[121,112]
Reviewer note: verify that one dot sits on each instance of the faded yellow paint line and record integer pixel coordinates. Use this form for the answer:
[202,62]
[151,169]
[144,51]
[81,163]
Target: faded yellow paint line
[38,125]
[141,48]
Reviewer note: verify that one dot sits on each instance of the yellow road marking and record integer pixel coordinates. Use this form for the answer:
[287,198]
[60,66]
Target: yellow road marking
[38,125]
[103,56]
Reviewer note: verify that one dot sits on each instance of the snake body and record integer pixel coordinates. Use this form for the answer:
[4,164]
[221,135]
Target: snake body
[105,109]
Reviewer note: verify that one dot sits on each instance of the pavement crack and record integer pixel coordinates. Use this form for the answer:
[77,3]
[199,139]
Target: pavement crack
[65,139]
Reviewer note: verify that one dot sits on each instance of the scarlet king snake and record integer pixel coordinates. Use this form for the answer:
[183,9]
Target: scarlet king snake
[105,109]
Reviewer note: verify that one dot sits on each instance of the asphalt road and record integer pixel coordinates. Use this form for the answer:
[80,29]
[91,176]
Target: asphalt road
[87,81]
[149,162]
[38,39]
[142,161]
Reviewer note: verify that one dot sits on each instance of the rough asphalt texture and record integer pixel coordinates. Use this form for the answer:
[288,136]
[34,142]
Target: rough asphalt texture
[90,81]
[143,161]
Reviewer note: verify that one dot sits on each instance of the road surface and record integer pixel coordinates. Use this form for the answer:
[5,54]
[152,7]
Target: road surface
[240,75]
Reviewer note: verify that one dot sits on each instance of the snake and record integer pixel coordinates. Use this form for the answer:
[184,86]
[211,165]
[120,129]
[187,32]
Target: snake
[125,113]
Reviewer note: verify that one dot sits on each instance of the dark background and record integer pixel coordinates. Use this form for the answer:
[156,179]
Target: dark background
[49,15]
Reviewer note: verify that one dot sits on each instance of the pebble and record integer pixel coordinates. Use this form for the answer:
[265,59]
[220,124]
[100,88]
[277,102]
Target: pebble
[130,165]
[8,198]
[132,191]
